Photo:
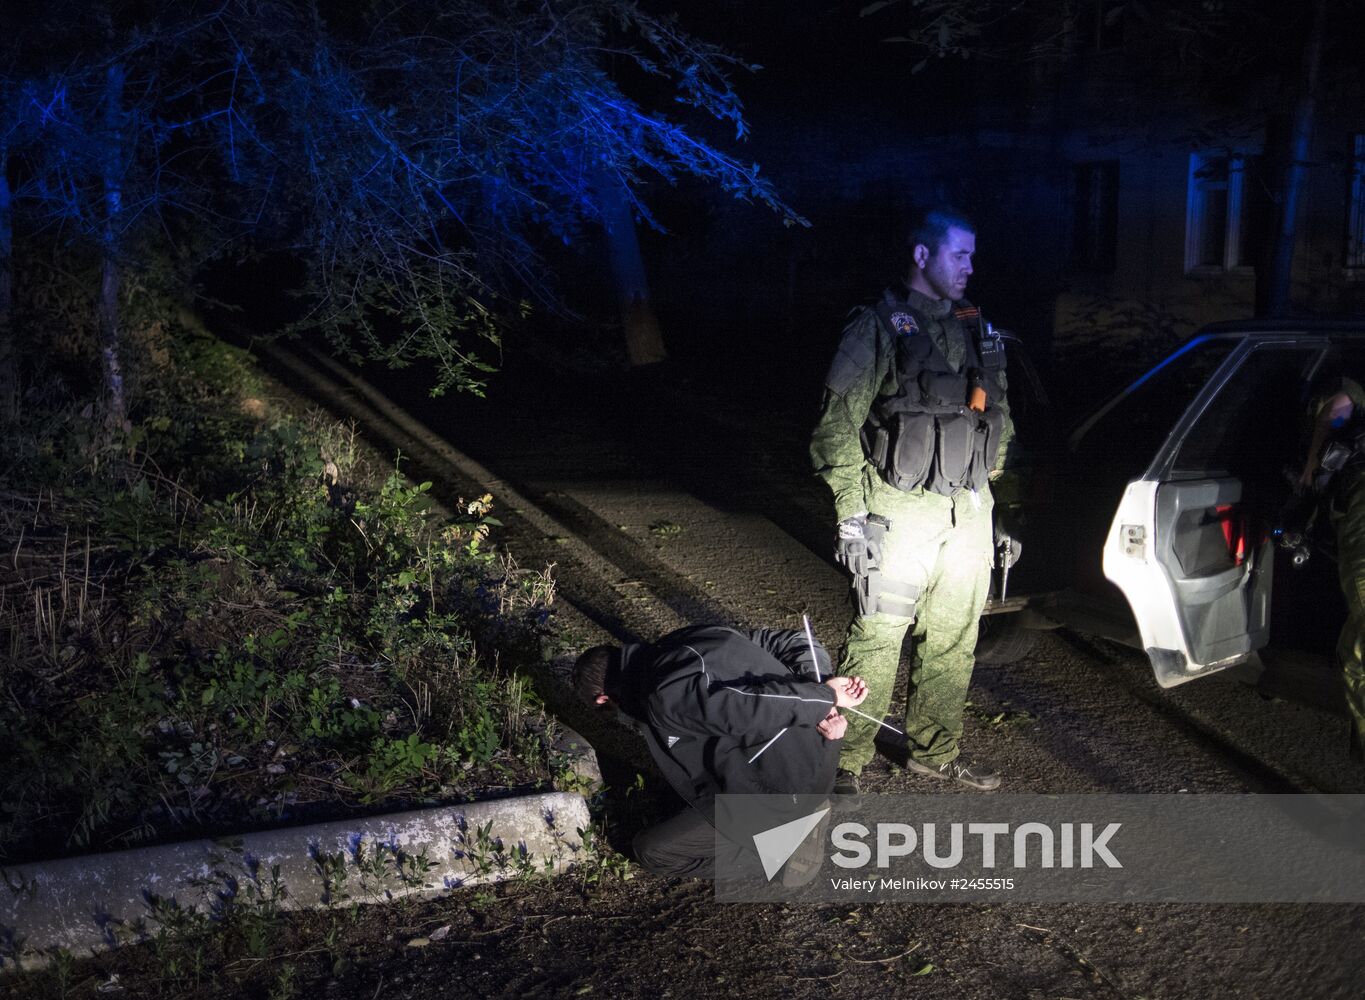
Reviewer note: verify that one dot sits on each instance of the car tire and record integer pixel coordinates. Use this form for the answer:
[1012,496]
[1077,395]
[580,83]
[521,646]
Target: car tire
[1002,639]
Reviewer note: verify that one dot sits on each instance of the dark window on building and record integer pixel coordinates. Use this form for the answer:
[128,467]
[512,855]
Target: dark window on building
[1355,223]
[1095,215]
[1226,212]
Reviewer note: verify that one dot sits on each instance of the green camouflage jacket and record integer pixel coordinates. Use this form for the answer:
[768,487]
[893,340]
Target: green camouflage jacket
[864,368]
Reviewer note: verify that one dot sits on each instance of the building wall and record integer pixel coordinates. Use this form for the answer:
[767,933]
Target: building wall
[857,182]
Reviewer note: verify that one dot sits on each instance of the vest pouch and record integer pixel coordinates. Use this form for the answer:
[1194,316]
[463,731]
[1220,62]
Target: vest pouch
[874,441]
[943,389]
[991,425]
[955,448]
[912,451]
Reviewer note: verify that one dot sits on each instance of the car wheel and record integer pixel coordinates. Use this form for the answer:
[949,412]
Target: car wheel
[1002,639]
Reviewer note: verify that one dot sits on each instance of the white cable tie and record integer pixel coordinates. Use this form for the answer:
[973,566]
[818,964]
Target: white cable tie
[877,721]
[810,638]
[766,745]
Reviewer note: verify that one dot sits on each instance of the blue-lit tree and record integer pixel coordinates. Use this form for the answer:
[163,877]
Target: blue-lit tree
[23,103]
[104,102]
[415,156]
[427,148]
[11,124]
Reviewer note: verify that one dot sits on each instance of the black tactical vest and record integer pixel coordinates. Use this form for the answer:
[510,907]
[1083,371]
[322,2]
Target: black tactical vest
[924,434]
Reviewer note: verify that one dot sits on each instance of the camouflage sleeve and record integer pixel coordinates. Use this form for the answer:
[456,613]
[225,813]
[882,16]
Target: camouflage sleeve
[1336,406]
[1330,410]
[1004,459]
[856,374]
[1349,388]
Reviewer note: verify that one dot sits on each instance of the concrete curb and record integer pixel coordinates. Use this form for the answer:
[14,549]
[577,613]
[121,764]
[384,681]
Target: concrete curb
[93,903]
[97,902]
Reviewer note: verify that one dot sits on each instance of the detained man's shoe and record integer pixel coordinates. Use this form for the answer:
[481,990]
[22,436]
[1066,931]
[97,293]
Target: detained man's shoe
[845,782]
[805,862]
[961,770]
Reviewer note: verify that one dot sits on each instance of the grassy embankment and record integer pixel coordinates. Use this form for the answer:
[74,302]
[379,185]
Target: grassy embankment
[230,617]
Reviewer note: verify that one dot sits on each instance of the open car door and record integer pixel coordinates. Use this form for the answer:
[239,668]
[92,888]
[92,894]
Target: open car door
[1191,545]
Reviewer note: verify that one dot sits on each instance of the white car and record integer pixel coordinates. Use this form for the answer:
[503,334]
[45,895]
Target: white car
[1183,482]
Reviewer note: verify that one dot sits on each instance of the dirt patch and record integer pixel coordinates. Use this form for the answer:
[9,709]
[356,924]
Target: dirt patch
[1076,715]
[664,939]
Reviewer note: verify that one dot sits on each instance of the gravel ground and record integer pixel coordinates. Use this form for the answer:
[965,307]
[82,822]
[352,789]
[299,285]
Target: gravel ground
[668,510]
[707,510]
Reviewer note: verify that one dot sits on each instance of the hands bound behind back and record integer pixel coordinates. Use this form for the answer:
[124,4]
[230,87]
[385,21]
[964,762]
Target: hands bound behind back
[848,691]
[832,726]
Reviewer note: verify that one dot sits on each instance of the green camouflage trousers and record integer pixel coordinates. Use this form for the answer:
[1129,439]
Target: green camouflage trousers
[943,546]
[1350,526]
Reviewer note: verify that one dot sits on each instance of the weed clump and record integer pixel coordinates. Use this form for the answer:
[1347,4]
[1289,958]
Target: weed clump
[229,616]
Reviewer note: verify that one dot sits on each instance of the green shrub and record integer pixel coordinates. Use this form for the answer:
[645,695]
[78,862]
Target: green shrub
[230,615]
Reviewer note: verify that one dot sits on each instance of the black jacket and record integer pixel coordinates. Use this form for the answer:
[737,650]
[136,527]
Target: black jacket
[712,702]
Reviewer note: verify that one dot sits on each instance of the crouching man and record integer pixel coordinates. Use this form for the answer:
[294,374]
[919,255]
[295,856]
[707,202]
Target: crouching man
[723,711]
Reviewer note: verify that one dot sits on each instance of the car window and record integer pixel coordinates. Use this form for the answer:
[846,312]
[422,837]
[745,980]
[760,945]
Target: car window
[1344,357]
[1254,428]
[1133,426]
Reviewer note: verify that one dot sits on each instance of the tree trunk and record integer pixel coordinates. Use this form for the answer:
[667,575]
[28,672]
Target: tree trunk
[9,379]
[108,305]
[644,341]
[1279,281]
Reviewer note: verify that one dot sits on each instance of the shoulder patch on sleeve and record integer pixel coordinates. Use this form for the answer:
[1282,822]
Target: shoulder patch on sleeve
[904,324]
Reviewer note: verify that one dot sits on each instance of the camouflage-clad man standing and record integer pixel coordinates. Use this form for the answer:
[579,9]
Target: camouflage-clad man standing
[913,425]
[1340,419]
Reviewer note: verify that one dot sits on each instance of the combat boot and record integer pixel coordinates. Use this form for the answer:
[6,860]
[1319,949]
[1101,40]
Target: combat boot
[845,782]
[963,771]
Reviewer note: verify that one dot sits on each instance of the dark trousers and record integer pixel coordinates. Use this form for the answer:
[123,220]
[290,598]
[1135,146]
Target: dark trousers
[682,846]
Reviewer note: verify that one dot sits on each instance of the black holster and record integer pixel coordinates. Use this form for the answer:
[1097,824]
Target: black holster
[872,593]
